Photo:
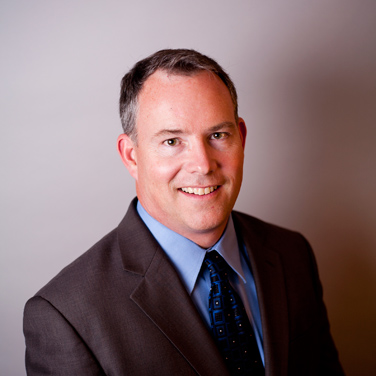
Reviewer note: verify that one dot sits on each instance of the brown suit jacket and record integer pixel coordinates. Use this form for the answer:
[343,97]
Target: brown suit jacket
[121,309]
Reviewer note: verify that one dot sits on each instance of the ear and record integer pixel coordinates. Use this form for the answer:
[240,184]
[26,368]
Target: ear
[242,130]
[127,150]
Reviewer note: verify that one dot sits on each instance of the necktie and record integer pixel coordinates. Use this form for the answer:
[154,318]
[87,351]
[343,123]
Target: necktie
[229,322]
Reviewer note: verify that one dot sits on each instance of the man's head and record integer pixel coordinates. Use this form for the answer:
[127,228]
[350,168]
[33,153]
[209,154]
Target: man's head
[187,159]
[176,62]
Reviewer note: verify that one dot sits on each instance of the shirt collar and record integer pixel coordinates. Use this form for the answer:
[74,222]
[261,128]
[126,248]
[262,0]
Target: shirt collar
[186,256]
[228,247]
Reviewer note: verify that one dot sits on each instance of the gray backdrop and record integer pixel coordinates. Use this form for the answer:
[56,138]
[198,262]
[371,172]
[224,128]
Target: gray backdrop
[306,76]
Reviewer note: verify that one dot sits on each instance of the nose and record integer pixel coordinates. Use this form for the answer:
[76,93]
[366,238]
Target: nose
[200,158]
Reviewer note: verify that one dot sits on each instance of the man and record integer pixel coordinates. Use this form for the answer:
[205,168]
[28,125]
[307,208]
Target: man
[139,301]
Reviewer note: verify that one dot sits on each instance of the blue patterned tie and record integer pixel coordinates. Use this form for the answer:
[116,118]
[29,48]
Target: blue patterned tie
[229,322]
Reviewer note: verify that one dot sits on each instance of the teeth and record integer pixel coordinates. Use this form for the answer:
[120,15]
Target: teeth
[200,191]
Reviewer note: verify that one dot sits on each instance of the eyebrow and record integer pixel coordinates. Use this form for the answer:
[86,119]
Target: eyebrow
[175,132]
[221,126]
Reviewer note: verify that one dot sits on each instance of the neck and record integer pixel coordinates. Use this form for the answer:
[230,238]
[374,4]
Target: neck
[205,240]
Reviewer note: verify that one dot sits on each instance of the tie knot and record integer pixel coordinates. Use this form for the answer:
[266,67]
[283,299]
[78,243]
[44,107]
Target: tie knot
[216,264]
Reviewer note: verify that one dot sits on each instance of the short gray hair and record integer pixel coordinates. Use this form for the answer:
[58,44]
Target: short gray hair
[173,61]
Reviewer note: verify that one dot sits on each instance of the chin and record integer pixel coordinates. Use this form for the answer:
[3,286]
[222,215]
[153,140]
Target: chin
[205,226]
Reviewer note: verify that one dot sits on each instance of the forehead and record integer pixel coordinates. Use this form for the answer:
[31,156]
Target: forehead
[203,87]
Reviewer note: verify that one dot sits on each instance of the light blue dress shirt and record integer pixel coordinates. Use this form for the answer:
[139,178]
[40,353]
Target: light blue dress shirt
[187,258]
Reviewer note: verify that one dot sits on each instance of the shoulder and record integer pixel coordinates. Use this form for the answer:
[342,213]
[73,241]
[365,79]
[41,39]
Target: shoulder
[100,266]
[103,255]
[262,237]
[264,231]
[82,274]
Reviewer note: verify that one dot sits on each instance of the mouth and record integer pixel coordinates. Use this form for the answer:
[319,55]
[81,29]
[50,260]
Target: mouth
[200,191]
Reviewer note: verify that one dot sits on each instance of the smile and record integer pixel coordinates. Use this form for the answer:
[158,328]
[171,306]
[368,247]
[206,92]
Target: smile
[200,191]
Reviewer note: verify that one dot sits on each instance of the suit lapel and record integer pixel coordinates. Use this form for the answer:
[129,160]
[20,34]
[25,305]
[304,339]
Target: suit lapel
[269,279]
[163,298]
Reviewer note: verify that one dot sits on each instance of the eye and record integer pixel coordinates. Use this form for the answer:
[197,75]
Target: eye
[171,142]
[218,135]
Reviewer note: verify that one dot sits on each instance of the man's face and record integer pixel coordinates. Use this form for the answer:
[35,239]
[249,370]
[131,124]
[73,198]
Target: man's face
[188,161]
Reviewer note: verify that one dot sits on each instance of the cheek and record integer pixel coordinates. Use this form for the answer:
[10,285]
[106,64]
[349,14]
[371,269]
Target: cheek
[233,165]
[159,173]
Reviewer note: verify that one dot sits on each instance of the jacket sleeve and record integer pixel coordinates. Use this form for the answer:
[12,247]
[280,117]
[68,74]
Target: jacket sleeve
[53,347]
[329,364]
